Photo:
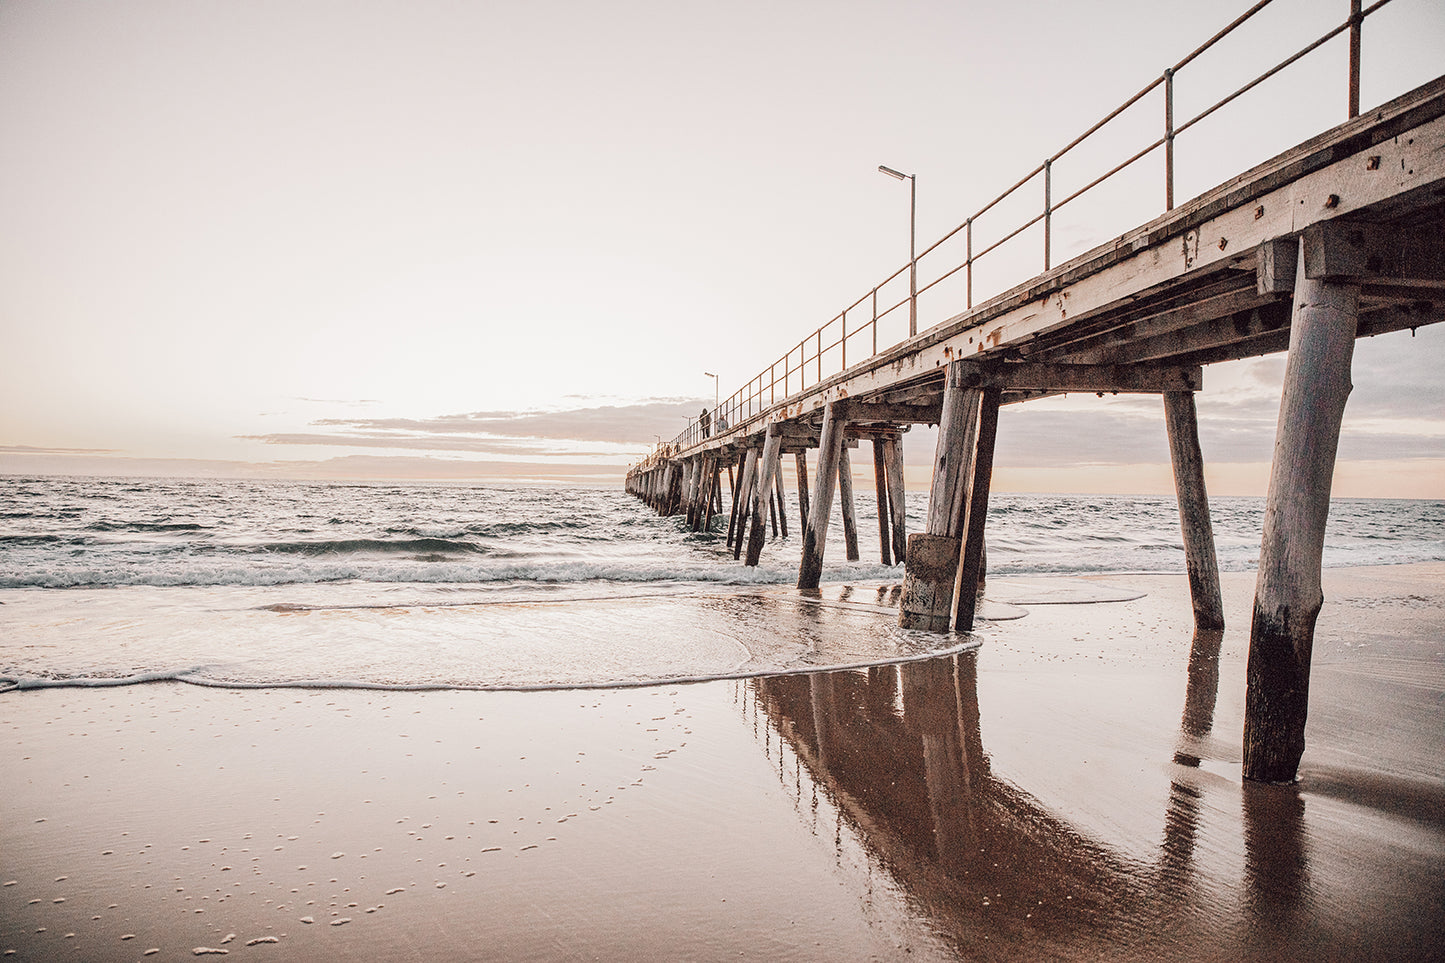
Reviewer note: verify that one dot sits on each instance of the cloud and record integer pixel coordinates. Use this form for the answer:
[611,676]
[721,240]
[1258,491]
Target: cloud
[348,467]
[597,432]
[33,450]
[417,442]
[634,424]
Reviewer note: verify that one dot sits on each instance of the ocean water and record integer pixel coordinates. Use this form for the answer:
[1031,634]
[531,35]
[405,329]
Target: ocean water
[262,583]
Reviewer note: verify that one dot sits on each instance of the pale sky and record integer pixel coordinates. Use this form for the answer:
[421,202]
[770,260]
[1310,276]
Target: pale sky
[466,239]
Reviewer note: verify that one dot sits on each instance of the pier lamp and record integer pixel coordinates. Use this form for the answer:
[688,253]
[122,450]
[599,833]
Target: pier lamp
[912,244]
[709,374]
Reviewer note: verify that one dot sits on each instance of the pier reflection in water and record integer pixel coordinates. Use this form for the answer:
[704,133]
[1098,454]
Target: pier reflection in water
[891,764]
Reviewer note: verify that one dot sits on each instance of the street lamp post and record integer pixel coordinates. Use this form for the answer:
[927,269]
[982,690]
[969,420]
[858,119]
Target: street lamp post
[912,244]
[709,374]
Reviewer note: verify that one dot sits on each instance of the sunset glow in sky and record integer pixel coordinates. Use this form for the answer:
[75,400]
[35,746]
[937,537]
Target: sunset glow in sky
[427,239]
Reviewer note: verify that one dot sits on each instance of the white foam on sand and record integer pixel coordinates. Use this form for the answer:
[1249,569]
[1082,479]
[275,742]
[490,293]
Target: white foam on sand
[261,638]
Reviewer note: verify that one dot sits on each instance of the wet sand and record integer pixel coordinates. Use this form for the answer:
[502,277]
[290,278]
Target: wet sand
[1069,790]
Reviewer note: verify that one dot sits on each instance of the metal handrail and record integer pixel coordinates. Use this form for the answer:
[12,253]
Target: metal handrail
[761,391]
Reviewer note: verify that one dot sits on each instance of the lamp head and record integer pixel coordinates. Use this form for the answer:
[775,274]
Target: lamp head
[893,173]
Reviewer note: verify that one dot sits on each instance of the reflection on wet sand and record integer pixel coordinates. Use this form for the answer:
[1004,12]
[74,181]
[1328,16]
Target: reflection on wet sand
[899,752]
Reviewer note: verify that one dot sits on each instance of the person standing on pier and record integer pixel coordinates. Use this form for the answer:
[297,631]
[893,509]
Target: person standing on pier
[705,420]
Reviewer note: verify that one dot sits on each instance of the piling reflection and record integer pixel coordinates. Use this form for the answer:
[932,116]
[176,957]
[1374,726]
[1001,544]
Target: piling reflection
[1181,823]
[898,752]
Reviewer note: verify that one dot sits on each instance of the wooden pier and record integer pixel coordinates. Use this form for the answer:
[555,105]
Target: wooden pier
[1339,238]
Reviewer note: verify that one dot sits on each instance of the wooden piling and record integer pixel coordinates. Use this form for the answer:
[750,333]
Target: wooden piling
[746,485]
[782,499]
[714,501]
[1194,521]
[897,511]
[880,485]
[1287,596]
[766,465]
[800,461]
[927,603]
[830,443]
[736,487]
[717,498]
[928,578]
[845,498]
[689,491]
[707,492]
[970,581]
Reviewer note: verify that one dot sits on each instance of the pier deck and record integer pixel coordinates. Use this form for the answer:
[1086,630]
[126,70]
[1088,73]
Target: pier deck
[1341,237]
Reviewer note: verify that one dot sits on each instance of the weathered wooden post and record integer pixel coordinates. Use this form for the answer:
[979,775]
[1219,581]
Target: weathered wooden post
[880,485]
[1287,595]
[707,492]
[933,554]
[1194,521]
[746,483]
[782,498]
[898,512]
[800,461]
[967,585]
[674,486]
[690,480]
[830,443]
[845,498]
[737,495]
[766,465]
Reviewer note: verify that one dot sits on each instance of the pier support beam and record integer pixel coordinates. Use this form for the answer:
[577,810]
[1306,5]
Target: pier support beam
[800,461]
[746,483]
[691,477]
[880,485]
[933,554]
[708,495]
[767,465]
[735,488]
[782,497]
[898,512]
[845,498]
[1194,521]
[1287,595]
[970,569]
[830,443]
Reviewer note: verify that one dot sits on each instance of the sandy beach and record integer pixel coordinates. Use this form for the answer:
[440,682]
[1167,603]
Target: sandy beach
[1069,789]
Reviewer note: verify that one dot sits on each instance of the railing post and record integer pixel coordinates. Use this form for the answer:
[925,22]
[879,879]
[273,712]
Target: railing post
[875,320]
[843,339]
[912,254]
[1168,138]
[968,262]
[1355,21]
[1048,209]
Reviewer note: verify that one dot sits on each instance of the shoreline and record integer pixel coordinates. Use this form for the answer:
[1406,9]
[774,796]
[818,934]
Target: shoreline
[1069,789]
